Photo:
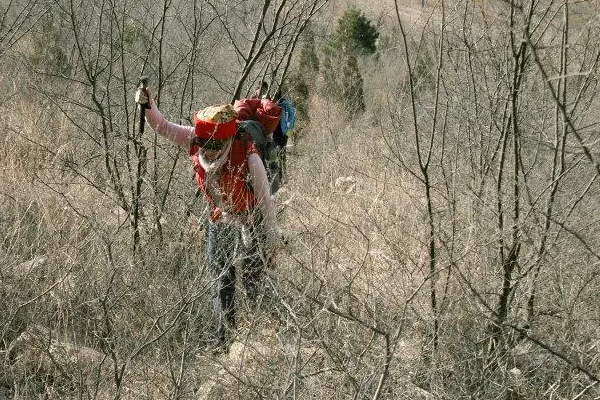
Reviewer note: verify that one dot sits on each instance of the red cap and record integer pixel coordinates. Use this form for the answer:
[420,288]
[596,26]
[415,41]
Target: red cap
[214,122]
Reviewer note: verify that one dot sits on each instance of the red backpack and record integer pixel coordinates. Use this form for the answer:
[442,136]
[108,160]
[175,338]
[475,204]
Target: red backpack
[257,119]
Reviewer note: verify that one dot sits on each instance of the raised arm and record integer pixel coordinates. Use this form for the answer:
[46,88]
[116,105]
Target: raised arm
[180,134]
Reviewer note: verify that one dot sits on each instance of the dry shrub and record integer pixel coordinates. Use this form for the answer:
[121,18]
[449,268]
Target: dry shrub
[355,247]
[352,207]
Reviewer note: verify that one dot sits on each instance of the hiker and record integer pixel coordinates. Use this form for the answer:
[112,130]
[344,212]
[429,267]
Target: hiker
[261,91]
[241,226]
[283,130]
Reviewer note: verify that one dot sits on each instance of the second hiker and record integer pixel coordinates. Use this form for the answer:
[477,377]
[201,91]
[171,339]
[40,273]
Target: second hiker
[284,129]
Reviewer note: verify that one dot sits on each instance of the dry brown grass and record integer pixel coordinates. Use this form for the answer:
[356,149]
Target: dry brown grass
[356,267]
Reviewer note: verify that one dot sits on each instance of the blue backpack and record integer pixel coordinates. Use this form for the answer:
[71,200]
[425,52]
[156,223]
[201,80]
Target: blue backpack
[288,116]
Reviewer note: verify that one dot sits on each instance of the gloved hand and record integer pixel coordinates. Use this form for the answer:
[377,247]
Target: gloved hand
[143,97]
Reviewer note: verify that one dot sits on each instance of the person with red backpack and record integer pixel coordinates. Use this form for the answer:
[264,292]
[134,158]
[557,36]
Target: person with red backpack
[241,225]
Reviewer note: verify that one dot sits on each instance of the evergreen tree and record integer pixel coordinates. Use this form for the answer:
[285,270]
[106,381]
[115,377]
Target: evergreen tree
[355,32]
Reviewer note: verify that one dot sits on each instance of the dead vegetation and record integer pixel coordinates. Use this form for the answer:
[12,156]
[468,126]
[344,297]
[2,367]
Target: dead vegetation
[441,245]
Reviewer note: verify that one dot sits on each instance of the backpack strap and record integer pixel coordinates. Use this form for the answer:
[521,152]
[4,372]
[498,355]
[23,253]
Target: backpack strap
[242,134]
[250,133]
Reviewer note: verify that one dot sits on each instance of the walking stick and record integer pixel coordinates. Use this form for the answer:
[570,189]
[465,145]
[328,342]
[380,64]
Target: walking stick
[143,107]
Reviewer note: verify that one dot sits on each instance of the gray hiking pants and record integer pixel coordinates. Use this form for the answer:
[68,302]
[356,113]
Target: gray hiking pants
[229,246]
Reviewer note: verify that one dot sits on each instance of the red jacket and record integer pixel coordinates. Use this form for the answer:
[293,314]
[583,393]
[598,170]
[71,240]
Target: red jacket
[236,194]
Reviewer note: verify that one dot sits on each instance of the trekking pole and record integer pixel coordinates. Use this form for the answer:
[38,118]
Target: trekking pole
[142,85]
